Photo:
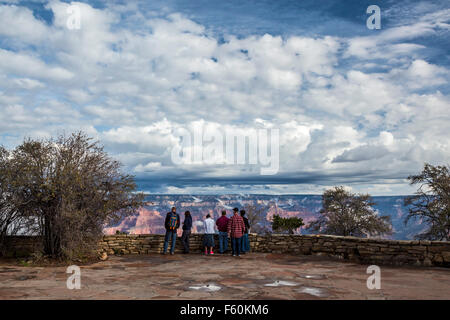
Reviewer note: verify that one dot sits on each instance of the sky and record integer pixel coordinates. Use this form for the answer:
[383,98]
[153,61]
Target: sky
[354,106]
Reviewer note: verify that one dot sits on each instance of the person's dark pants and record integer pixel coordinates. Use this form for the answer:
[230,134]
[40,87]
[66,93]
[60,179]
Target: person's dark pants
[223,241]
[245,243]
[185,240]
[236,246]
[170,235]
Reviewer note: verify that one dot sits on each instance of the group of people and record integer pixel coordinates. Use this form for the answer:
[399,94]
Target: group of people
[235,228]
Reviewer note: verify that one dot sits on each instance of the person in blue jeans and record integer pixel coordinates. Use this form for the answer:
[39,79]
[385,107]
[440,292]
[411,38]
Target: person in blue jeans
[222,225]
[236,230]
[245,242]
[236,245]
[172,223]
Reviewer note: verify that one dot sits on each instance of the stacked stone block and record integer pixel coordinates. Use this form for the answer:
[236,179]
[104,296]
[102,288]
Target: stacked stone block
[363,250]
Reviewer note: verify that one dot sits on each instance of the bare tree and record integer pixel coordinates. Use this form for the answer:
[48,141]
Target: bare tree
[8,214]
[11,221]
[431,202]
[73,189]
[348,214]
[256,215]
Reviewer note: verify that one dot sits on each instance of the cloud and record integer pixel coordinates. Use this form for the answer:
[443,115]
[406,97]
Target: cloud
[26,65]
[421,74]
[18,24]
[362,153]
[151,166]
[394,42]
[356,110]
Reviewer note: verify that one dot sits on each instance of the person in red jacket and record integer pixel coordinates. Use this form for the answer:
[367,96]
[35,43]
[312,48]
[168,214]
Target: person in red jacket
[222,226]
[236,229]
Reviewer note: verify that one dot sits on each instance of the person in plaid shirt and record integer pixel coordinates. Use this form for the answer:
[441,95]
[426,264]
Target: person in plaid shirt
[236,229]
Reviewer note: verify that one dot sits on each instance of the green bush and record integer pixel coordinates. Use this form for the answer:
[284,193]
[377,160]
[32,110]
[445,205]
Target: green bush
[286,224]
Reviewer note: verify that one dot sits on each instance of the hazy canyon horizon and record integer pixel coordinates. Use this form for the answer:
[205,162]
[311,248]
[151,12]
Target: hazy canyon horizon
[150,218]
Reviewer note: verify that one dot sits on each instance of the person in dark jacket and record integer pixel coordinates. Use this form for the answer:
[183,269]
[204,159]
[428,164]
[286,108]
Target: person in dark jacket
[187,225]
[222,225]
[172,223]
[245,242]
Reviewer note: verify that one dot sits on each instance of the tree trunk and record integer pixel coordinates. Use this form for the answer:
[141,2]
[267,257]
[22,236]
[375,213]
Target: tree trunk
[52,243]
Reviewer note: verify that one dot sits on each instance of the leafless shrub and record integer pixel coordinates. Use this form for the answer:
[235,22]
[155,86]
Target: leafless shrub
[71,188]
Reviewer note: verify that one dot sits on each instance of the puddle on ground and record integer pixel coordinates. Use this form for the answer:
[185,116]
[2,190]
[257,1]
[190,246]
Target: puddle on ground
[206,287]
[279,283]
[313,276]
[317,292]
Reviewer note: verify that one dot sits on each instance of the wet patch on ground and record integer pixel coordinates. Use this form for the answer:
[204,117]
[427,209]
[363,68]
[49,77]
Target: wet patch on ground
[314,291]
[281,283]
[210,287]
[313,276]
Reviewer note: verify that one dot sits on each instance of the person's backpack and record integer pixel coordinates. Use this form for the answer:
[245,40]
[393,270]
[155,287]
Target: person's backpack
[173,220]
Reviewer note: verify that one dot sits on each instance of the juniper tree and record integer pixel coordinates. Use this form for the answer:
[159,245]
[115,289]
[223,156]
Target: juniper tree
[346,214]
[289,224]
[431,202]
[72,188]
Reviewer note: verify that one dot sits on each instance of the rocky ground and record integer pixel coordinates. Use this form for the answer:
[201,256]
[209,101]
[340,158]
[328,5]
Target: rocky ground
[253,276]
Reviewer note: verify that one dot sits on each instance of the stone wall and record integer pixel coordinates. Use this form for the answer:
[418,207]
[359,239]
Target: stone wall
[151,243]
[372,251]
[21,246]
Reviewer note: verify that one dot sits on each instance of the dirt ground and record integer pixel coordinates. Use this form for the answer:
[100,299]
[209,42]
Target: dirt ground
[252,276]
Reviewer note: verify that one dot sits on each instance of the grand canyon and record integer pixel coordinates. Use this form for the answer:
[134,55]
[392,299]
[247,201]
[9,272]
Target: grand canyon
[150,218]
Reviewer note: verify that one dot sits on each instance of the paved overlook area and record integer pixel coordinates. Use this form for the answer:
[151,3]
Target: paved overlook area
[253,276]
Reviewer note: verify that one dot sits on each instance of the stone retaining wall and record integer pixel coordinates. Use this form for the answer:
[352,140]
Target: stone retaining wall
[376,251]
[21,246]
[153,243]
[372,251]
